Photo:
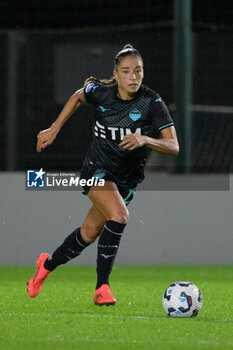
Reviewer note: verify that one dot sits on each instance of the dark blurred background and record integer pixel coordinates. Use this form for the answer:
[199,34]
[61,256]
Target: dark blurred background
[48,49]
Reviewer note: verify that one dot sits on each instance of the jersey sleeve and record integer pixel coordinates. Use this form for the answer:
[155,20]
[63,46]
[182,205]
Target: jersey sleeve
[91,92]
[159,113]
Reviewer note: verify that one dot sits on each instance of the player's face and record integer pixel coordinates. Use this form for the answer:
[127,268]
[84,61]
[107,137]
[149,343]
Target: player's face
[129,74]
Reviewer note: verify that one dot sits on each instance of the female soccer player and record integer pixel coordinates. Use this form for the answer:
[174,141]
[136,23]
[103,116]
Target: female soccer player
[126,112]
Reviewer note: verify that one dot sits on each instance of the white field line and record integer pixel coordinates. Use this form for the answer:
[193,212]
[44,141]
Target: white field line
[99,315]
[87,339]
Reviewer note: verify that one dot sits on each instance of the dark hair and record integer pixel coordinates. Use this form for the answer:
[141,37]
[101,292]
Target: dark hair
[128,50]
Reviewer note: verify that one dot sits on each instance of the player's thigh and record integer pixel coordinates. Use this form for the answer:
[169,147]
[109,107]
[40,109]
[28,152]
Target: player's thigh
[109,201]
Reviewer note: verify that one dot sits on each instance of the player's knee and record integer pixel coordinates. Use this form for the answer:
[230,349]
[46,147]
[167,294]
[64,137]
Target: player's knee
[90,232]
[120,215]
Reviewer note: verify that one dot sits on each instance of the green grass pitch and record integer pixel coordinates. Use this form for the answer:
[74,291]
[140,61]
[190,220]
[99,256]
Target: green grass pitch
[64,316]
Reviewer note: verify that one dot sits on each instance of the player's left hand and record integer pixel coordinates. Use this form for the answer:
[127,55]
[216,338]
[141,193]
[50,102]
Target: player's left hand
[133,141]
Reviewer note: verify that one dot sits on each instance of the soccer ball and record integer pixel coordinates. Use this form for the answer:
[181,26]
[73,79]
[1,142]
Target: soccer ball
[182,299]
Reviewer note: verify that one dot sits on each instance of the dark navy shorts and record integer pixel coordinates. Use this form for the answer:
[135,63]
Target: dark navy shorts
[88,172]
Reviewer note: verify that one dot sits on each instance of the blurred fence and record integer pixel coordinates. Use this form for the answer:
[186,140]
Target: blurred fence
[40,70]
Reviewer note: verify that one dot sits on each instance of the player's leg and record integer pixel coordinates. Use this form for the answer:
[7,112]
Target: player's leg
[78,240]
[92,225]
[109,201]
[72,246]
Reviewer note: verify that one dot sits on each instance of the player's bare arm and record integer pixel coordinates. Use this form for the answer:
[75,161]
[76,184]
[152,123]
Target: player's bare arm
[46,137]
[168,144]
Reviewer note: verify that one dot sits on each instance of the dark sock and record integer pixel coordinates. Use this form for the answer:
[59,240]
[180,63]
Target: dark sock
[72,246]
[107,249]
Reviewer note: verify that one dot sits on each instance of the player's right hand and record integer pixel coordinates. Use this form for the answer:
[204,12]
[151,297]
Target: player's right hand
[45,138]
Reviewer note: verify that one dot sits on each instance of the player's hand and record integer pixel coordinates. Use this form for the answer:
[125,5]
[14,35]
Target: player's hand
[45,138]
[133,141]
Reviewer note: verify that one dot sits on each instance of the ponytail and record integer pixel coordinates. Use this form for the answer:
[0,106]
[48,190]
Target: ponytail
[105,82]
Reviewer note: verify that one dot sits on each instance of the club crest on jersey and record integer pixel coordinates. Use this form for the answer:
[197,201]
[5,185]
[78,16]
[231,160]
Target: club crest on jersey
[135,114]
[89,87]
